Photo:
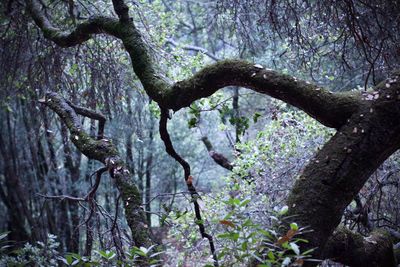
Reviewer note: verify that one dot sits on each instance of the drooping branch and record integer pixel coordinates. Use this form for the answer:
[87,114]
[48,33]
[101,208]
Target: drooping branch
[124,29]
[188,179]
[330,109]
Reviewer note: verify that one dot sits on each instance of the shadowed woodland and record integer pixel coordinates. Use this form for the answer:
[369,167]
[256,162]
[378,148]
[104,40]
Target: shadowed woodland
[199,133]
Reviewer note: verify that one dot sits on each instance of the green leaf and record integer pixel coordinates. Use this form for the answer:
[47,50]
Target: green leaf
[271,255]
[307,252]
[137,251]
[256,116]
[233,202]
[192,122]
[266,233]
[232,236]
[244,202]
[294,226]
[229,215]
[244,246]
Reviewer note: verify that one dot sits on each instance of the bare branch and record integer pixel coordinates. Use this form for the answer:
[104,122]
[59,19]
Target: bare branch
[217,157]
[92,191]
[194,48]
[89,196]
[104,151]
[62,197]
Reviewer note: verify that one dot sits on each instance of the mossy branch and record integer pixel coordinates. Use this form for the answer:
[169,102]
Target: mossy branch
[331,109]
[355,250]
[106,152]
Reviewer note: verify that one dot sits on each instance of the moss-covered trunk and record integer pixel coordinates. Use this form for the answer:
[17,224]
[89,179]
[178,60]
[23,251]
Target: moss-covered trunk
[339,170]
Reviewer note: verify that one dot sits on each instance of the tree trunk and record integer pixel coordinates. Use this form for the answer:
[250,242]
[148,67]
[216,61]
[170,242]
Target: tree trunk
[339,170]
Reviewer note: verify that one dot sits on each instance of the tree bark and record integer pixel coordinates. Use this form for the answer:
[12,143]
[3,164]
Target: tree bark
[339,170]
[357,251]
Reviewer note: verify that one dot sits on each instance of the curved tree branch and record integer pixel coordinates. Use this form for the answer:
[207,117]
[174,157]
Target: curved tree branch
[368,125]
[330,109]
[123,29]
[92,115]
[81,33]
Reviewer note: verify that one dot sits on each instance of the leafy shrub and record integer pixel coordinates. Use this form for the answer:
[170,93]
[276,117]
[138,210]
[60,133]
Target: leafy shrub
[244,215]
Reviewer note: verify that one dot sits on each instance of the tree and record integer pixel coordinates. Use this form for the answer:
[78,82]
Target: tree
[367,125]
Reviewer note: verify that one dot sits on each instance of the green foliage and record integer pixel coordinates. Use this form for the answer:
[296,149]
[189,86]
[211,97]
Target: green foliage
[227,114]
[46,254]
[154,109]
[244,216]
[40,254]
[246,241]
[149,255]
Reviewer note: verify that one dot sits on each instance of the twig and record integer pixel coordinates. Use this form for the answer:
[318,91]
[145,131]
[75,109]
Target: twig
[62,197]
